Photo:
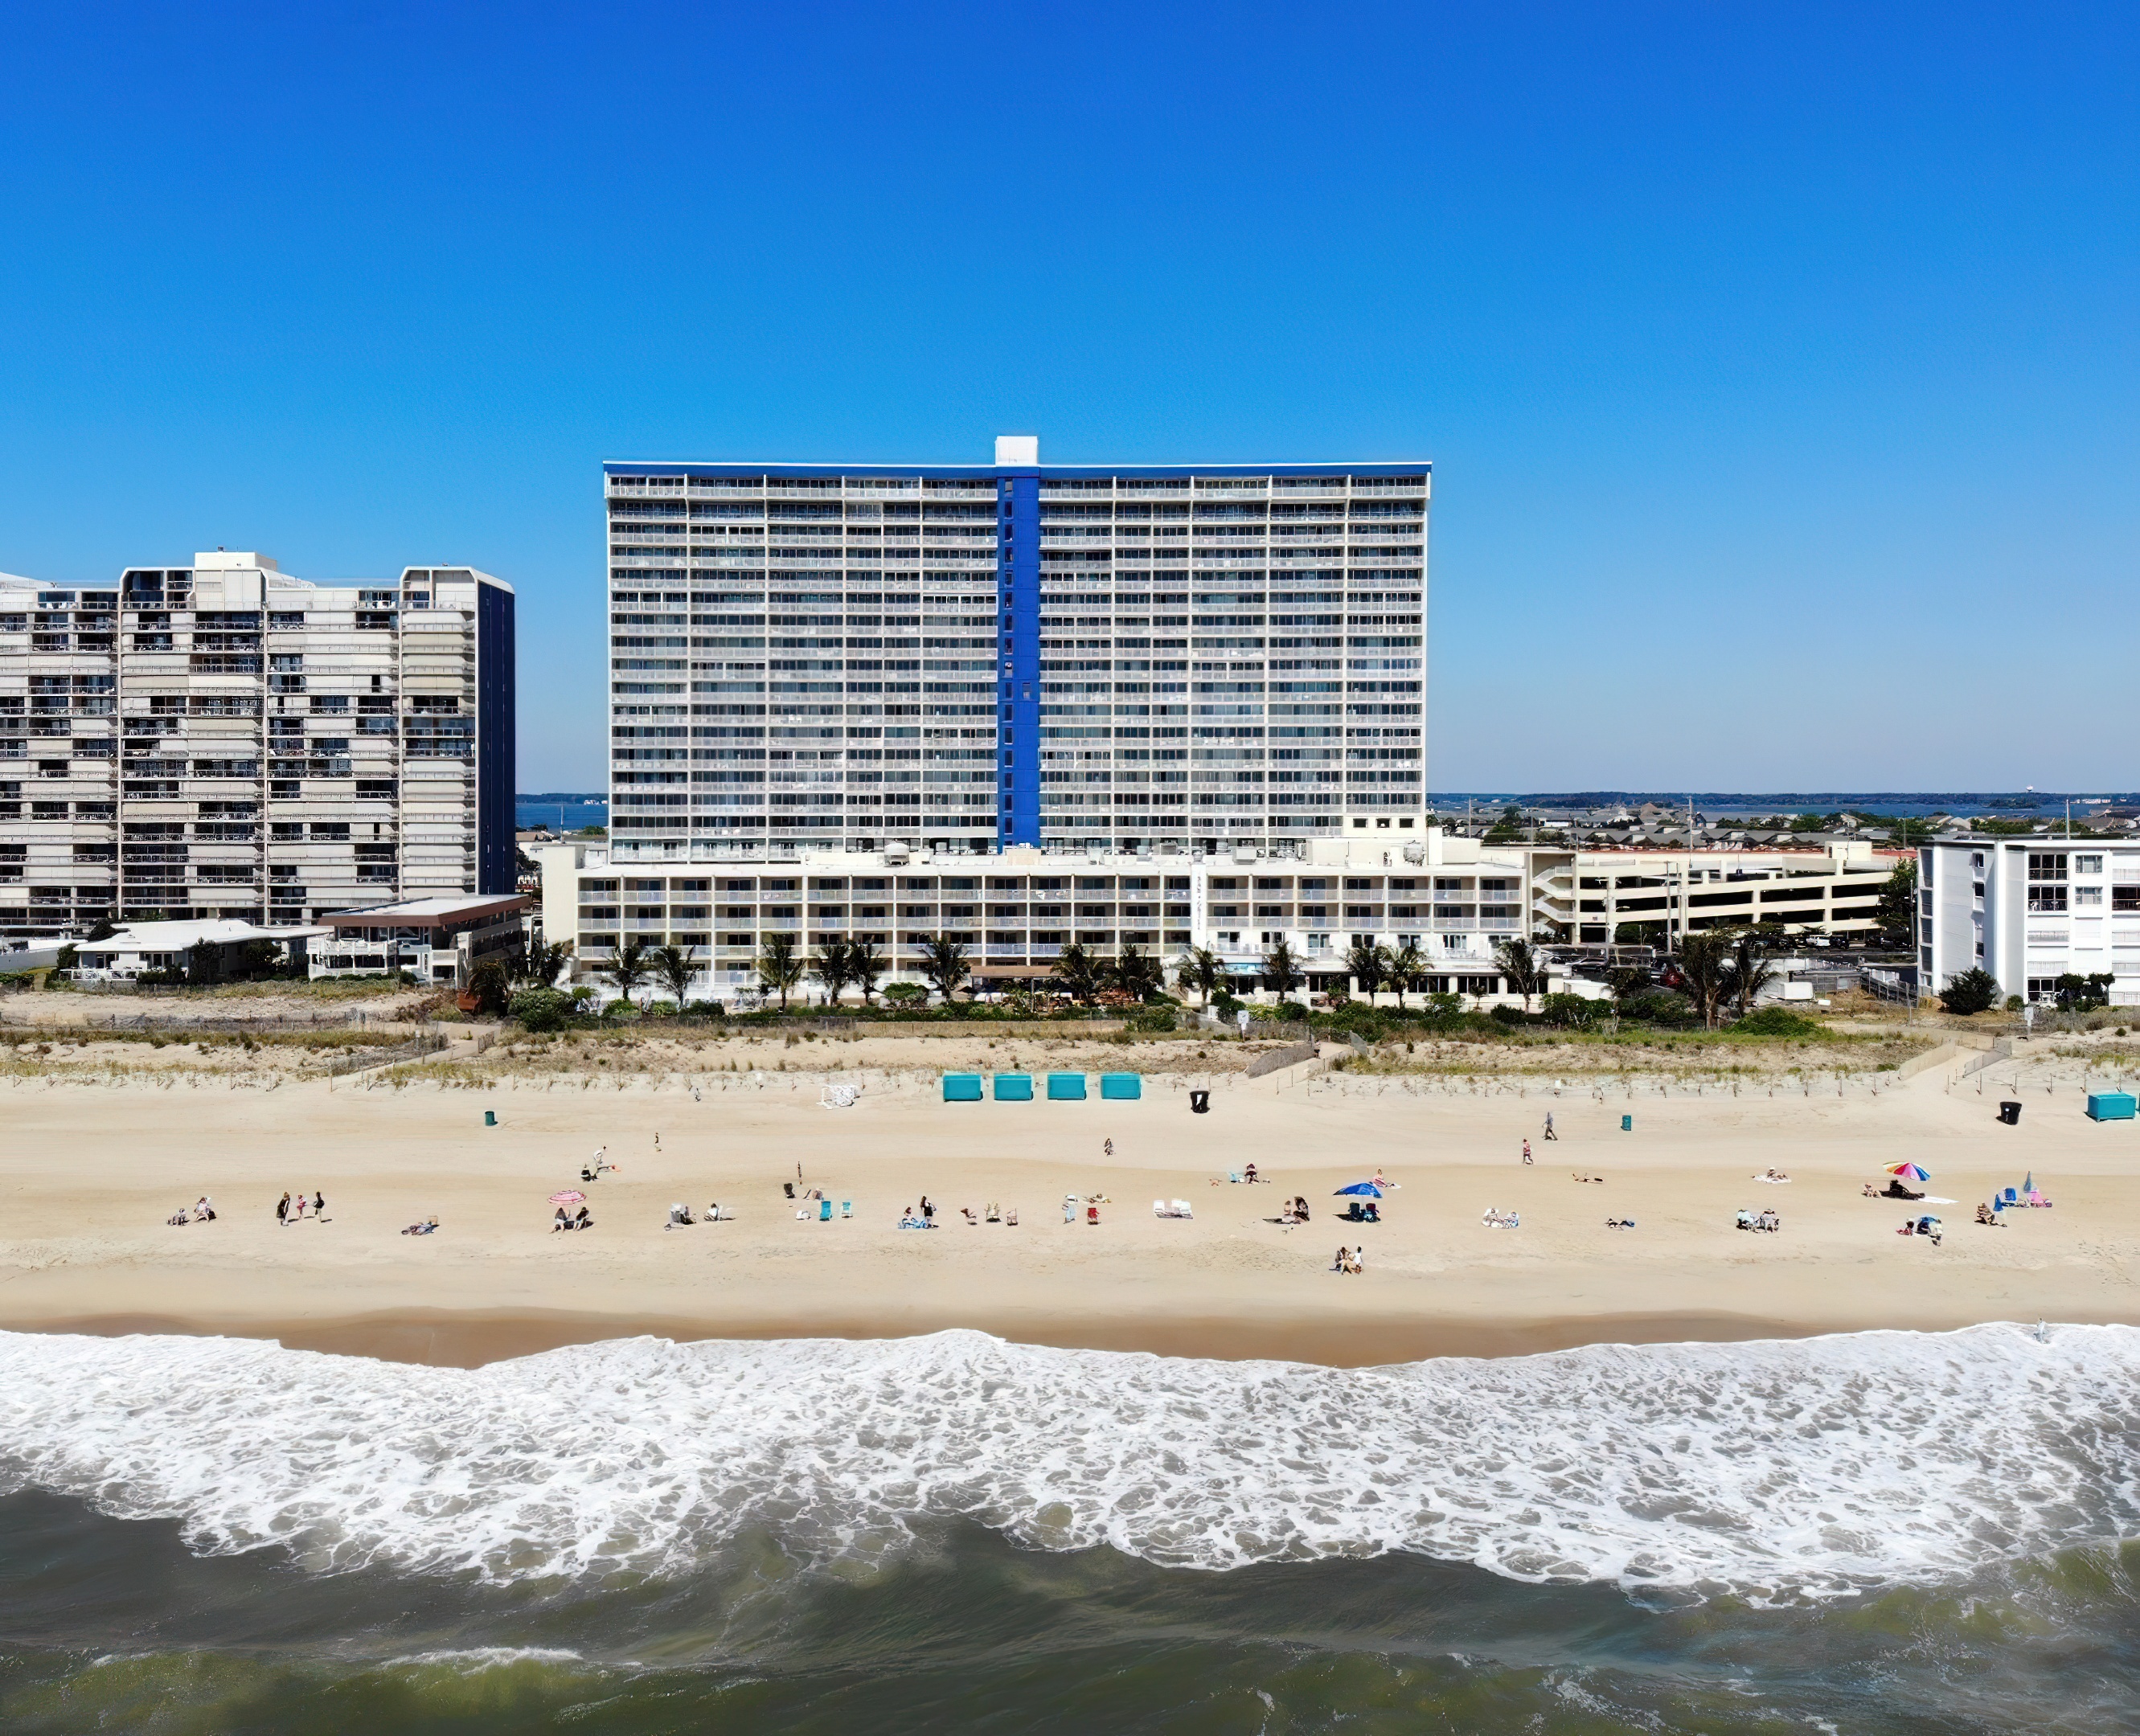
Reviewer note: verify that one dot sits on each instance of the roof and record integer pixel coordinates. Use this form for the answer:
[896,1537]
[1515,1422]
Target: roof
[175,937]
[429,912]
[1406,467]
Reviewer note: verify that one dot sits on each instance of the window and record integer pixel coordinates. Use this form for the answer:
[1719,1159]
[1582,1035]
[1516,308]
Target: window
[2047,865]
[2046,900]
[2125,899]
[2085,895]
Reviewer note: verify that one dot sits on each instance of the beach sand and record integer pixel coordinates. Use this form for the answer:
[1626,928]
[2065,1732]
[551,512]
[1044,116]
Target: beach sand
[89,1173]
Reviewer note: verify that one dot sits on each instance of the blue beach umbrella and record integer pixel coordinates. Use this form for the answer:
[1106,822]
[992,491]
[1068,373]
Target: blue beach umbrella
[1367,1188]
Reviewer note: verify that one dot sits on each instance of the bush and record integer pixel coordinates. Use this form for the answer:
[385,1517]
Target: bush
[541,1009]
[905,994]
[706,1009]
[1574,1011]
[620,1008]
[1291,1011]
[489,984]
[1974,991]
[1150,1018]
[2014,1004]
[1659,1007]
[1777,1021]
[1506,1015]
[1225,1004]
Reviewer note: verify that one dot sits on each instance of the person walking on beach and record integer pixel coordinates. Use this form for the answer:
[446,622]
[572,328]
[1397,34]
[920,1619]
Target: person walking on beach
[1549,1133]
[1109,1148]
[928,1205]
[282,1211]
[319,1204]
[1527,1150]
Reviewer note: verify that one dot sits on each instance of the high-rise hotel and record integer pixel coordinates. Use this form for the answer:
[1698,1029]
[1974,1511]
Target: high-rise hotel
[223,740]
[966,658]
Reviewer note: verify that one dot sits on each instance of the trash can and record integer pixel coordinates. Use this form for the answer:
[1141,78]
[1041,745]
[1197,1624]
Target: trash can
[2009,1112]
[1200,1103]
[1626,1124]
[490,1118]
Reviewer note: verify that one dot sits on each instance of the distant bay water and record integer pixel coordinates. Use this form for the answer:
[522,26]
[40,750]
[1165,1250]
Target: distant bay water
[561,810]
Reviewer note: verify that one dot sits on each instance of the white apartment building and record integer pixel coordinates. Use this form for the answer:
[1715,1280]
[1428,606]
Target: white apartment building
[2030,911]
[971,658]
[1016,909]
[224,740]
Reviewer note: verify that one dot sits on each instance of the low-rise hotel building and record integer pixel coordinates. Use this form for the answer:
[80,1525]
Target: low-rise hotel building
[2030,911]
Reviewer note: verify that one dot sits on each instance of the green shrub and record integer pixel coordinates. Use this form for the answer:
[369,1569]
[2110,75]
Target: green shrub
[1574,1011]
[1507,1015]
[541,1009]
[1777,1021]
[1659,1007]
[1973,991]
[1150,1018]
[1225,1004]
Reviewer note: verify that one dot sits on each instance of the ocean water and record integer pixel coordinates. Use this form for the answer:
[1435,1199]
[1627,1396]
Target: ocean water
[1870,1532]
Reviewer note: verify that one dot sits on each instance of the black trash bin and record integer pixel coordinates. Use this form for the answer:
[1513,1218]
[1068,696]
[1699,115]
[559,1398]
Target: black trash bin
[2009,1112]
[1199,1103]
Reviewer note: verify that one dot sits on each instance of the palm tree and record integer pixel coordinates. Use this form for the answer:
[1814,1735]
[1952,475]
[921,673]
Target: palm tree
[540,965]
[1406,964]
[865,965]
[1750,968]
[1366,963]
[1704,966]
[632,966]
[1201,971]
[1136,972]
[944,963]
[779,967]
[832,965]
[674,966]
[1282,969]
[1082,974]
[1522,966]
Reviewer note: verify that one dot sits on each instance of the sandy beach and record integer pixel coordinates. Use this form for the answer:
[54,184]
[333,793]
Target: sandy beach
[90,1173]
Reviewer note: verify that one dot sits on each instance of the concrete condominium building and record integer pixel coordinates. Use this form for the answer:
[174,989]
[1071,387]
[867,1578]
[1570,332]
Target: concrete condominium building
[2030,911]
[971,658]
[224,741]
[1016,909]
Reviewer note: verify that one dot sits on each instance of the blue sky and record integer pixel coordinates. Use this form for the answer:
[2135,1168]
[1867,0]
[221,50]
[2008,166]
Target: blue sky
[1778,363]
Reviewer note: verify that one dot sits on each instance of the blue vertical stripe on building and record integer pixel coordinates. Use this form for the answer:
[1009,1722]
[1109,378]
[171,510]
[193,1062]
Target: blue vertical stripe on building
[1019,561]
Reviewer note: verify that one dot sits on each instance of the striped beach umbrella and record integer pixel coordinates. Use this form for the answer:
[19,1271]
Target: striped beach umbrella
[1908,1172]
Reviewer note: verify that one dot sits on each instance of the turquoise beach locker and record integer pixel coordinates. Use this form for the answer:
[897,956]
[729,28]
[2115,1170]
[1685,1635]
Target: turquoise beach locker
[2111,1106]
[1130,1085]
[1065,1087]
[1013,1087]
[962,1087]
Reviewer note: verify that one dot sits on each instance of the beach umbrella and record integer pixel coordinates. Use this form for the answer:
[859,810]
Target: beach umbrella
[567,1196]
[1908,1172]
[1367,1188]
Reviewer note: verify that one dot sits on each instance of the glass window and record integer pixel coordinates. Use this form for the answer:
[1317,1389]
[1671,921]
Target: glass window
[2047,865]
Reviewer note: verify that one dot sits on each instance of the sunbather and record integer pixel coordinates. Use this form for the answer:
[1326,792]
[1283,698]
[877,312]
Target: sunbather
[1746,1219]
[1343,1263]
[563,1220]
[425,1229]
[1985,1214]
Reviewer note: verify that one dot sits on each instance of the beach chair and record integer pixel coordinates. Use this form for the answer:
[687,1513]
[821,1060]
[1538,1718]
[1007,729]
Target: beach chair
[1159,1207]
[846,1208]
[1233,1175]
[824,1211]
[1010,1214]
[1182,1209]
[2010,1198]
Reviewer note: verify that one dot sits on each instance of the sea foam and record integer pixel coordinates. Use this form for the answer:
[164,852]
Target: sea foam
[1784,1468]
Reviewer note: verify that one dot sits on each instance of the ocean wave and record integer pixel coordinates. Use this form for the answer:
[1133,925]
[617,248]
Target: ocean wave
[1784,1468]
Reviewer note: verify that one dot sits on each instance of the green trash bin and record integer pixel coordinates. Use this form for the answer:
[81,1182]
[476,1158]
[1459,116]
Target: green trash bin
[1626,1124]
[490,1118]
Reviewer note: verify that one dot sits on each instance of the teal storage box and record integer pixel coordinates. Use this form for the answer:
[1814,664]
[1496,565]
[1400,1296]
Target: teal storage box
[1013,1087]
[1128,1085]
[962,1087]
[2111,1106]
[1065,1087]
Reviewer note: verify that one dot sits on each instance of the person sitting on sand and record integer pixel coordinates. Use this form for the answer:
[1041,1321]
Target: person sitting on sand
[1300,1207]
[581,1220]
[1896,1190]
[1249,1172]
[1344,1261]
[563,1220]
[1985,1214]
[1871,1192]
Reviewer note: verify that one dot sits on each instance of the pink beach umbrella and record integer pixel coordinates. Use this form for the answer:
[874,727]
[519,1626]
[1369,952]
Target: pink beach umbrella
[1908,1172]
[567,1196]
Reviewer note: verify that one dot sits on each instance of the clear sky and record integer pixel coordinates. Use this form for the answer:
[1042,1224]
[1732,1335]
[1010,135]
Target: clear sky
[1778,363]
